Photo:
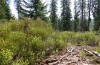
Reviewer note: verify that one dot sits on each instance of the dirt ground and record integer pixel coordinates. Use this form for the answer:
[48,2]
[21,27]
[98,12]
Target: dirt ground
[72,55]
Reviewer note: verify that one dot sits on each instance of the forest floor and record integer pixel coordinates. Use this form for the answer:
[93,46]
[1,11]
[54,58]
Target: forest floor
[72,55]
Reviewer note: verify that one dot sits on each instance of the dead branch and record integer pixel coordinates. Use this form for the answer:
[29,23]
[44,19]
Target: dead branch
[88,53]
[96,54]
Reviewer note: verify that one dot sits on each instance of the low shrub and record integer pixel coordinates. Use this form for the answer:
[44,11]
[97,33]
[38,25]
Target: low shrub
[97,49]
[15,25]
[27,42]
[59,41]
[4,31]
[6,44]
[5,56]
[17,37]
[85,38]
[20,62]
[37,44]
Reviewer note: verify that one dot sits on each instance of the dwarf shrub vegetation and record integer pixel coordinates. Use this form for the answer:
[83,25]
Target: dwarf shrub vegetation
[27,42]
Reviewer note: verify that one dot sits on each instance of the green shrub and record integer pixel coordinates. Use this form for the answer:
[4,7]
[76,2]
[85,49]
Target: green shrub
[20,62]
[17,37]
[4,31]
[60,42]
[25,39]
[5,56]
[97,49]
[86,38]
[8,45]
[37,32]
[37,44]
[49,43]
[3,43]
[31,57]
[15,26]
[41,29]
[83,54]
[90,38]
[67,36]
[20,25]
[79,39]
[41,24]
[55,42]
[31,40]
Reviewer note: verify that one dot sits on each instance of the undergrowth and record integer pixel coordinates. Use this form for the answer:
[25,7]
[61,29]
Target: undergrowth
[27,42]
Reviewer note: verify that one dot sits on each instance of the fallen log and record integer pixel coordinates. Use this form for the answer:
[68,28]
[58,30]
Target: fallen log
[93,53]
[97,59]
[88,53]
[96,54]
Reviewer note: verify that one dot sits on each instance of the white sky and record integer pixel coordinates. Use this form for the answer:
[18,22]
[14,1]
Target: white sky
[14,12]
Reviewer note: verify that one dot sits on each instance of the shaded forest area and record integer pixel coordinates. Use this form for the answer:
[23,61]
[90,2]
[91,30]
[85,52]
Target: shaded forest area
[34,36]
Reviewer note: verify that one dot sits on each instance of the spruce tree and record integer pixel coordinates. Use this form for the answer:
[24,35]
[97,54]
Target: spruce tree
[31,8]
[66,15]
[39,10]
[7,12]
[76,16]
[4,10]
[83,23]
[53,13]
[96,14]
[20,11]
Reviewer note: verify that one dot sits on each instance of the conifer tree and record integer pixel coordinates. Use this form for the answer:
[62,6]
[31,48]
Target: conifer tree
[31,8]
[83,23]
[66,14]
[53,13]
[4,10]
[76,16]
[96,14]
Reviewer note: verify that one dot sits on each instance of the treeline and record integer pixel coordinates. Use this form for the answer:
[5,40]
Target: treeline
[85,13]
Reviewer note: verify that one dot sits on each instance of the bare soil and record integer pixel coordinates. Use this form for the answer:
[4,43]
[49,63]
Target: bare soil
[72,55]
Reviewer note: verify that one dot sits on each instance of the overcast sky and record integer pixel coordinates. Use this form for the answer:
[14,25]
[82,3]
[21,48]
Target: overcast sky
[14,12]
